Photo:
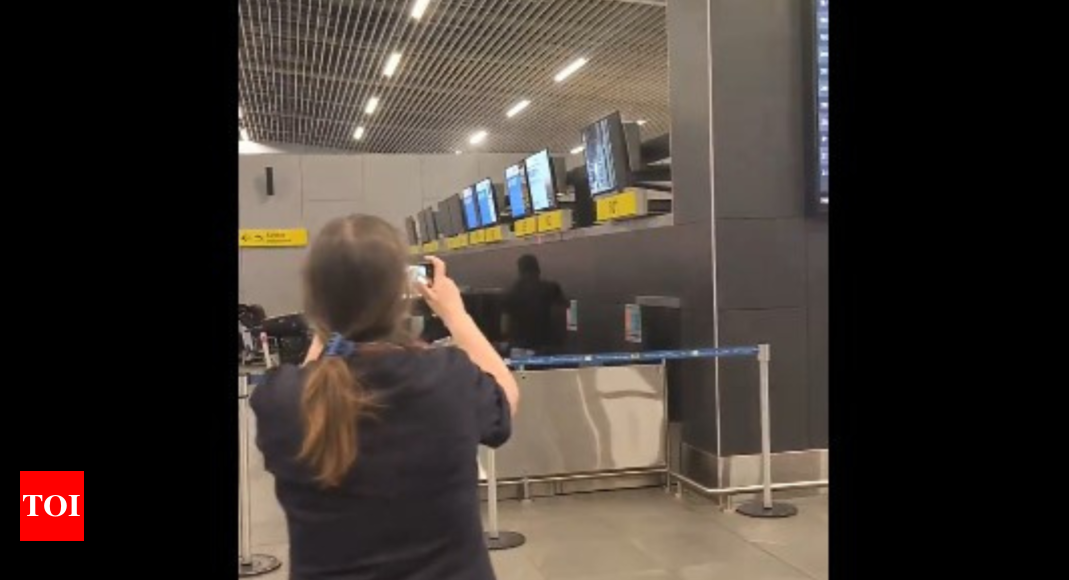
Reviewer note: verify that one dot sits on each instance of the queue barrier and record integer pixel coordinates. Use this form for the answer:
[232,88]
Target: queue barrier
[498,539]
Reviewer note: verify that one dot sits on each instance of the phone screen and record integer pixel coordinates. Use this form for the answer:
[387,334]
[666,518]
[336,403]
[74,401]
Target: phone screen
[419,273]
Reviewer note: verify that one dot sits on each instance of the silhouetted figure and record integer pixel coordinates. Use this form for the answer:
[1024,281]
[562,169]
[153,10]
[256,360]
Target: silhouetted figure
[534,310]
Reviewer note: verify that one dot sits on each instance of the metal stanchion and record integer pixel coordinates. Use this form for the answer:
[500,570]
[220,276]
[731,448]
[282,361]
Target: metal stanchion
[497,539]
[766,508]
[249,564]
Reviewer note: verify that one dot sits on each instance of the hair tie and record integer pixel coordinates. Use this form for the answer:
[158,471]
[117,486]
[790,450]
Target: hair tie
[339,346]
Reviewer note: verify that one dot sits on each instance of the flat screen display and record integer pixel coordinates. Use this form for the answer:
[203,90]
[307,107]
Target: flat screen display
[821,99]
[540,181]
[445,219]
[605,150]
[410,231]
[516,186]
[456,213]
[485,197]
[471,215]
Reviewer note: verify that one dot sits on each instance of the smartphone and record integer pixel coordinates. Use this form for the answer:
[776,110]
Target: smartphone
[422,272]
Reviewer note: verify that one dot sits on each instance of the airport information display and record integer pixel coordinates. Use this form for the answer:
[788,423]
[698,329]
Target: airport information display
[484,196]
[822,97]
[606,155]
[514,185]
[540,181]
[471,218]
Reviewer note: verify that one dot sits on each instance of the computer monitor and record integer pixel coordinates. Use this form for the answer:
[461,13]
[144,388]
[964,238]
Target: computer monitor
[542,183]
[518,193]
[456,212]
[605,149]
[486,198]
[471,211]
[445,219]
[410,231]
[435,223]
[421,221]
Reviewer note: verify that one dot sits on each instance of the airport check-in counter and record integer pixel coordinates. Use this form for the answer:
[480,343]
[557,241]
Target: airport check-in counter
[586,428]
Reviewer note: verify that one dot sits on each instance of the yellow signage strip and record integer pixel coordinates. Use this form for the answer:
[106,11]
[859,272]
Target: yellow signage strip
[620,206]
[293,238]
[525,227]
[550,222]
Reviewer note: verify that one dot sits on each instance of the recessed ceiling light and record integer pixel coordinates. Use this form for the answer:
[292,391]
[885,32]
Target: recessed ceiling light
[568,70]
[419,8]
[372,105]
[517,108]
[641,122]
[578,149]
[391,64]
[457,152]
[477,137]
[245,134]
[241,114]
[359,133]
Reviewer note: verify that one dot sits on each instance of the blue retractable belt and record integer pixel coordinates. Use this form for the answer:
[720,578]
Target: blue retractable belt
[652,356]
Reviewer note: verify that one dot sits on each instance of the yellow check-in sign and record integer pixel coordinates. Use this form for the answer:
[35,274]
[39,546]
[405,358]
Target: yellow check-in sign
[293,238]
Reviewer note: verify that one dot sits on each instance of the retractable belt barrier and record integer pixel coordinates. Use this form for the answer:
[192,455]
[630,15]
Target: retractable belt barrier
[500,540]
[650,356]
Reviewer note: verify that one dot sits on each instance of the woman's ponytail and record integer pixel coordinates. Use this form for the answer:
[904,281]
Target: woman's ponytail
[332,402]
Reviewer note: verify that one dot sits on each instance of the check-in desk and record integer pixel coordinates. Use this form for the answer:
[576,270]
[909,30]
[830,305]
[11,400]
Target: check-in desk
[585,429]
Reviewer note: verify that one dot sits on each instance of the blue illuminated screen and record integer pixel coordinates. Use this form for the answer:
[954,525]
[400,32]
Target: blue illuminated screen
[514,184]
[484,195]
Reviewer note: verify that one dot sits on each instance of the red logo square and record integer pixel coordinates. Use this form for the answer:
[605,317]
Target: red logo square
[53,506]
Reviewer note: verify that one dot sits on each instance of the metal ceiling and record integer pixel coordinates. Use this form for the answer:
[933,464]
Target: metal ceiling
[308,67]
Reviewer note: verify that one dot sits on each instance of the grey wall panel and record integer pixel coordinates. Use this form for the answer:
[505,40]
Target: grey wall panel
[689,94]
[271,278]
[785,330]
[817,323]
[758,108]
[761,263]
[318,213]
[393,187]
[333,177]
[444,175]
[258,210]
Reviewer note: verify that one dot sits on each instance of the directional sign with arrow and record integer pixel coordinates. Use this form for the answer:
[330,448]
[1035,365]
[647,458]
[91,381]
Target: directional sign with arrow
[292,238]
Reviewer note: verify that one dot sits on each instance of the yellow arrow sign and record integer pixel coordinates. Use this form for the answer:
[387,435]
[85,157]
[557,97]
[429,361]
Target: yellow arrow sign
[294,238]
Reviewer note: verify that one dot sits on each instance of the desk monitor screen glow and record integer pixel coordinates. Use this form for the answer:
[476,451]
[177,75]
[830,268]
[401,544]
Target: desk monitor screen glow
[486,198]
[540,181]
[605,150]
[471,216]
[516,185]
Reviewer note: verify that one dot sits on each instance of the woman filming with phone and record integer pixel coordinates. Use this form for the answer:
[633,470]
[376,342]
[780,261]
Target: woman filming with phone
[373,441]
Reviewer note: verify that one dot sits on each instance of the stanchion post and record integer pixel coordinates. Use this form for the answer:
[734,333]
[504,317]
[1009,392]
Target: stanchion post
[249,564]
[491,494]
[766,508]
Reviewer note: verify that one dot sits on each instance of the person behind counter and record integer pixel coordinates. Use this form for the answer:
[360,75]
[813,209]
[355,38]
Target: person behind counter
[373,441]
[533,310]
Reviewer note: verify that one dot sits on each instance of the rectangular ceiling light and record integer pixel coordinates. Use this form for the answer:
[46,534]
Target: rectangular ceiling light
[641,122]
[419,8]
[578,149]
[245,134]
[571,68]
[372,105]
[391,64]
[359,133]
[515,110]
[477,138]
[241,114]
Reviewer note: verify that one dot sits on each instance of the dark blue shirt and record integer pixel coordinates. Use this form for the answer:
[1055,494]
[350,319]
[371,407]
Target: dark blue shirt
[409,508]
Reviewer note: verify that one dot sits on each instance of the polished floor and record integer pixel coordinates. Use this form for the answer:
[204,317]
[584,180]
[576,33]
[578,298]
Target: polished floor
[622,535]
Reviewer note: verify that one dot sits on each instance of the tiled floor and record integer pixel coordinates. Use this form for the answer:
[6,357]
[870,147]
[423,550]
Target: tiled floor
[623,535]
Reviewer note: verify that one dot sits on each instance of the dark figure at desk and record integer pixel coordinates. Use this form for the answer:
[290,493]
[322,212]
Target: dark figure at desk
[535,310]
